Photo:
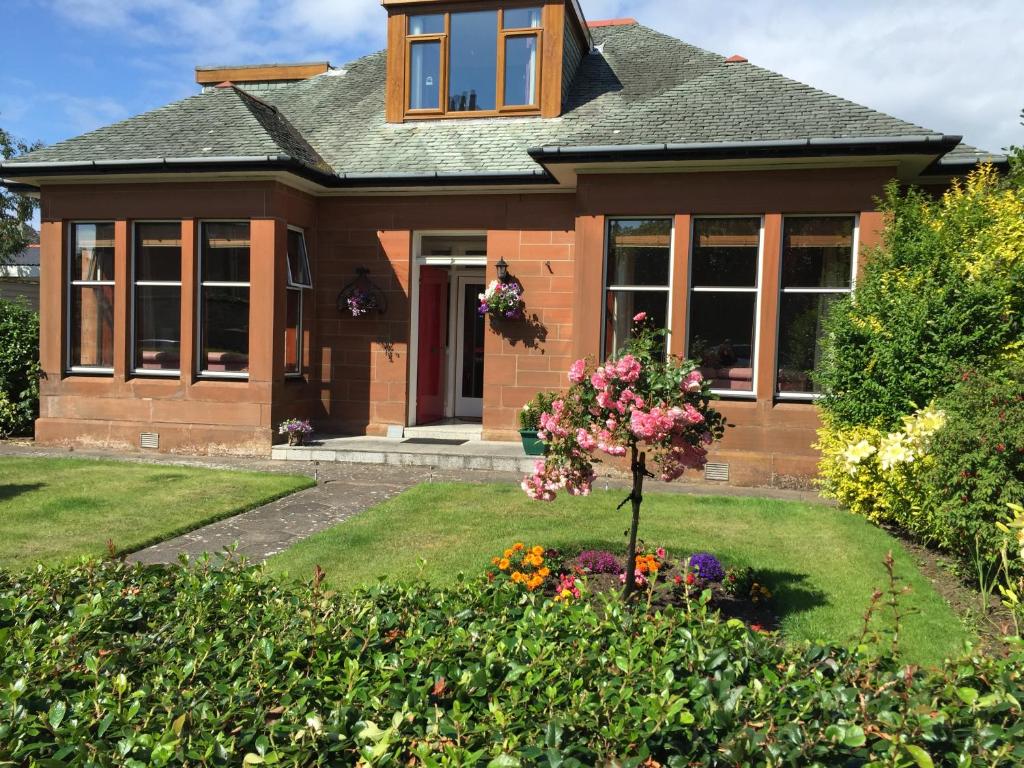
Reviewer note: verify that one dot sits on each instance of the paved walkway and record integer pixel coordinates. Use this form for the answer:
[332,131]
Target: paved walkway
[342,491]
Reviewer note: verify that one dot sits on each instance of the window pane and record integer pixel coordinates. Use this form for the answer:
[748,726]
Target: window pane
[522,18]
[425,75]
[158,253]
[817,252]
[292,330]
[92,326]
[226,252]
[93,252]
[158,327]
[639,251]
[225,324]
[473,70]
[801,316]
[722,335]
[521,70]
[426,24]
[622,306]
[298,261]
[725,252]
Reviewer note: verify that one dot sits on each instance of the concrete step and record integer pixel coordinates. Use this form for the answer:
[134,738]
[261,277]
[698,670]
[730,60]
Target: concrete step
[475,454]
[445,432]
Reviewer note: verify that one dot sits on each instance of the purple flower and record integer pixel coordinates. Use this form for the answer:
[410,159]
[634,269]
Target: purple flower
[707,566]
[599,561]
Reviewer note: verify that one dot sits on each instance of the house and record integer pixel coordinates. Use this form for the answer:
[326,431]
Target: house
[19,274]
[202,261]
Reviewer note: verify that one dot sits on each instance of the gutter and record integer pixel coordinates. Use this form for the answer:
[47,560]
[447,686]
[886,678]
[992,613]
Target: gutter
[242,163]
[960,165]
[925,144]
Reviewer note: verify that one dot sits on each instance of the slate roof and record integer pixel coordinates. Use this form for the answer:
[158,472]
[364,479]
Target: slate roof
[637,87]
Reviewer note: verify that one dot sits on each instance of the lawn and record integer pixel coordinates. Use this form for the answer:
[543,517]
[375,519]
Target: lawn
[54,510]
[821,563]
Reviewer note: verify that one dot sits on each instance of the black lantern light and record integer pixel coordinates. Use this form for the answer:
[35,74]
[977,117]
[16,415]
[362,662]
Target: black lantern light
[502,267]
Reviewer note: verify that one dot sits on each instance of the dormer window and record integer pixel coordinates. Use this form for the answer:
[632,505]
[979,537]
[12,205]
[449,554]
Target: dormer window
[473,63]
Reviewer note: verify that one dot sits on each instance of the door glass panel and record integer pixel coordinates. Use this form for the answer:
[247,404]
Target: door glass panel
[473,69]
[472,378]
[521,71]
[425,75]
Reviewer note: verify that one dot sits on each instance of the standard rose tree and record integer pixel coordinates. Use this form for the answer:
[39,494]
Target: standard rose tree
[638,404]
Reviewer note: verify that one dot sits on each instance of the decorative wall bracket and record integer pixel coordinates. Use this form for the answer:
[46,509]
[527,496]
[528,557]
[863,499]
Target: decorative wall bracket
[362,296]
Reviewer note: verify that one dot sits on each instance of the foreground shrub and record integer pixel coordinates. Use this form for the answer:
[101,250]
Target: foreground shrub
[977,466]
[105,664]
[19,368]
[945,292]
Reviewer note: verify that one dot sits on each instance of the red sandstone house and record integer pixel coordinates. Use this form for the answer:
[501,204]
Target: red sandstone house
[198,259]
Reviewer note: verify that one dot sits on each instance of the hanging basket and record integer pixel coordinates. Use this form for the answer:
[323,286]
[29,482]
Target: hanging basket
[362,297]
[503,301]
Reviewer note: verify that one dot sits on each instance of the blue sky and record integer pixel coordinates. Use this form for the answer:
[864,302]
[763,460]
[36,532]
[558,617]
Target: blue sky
[68,66]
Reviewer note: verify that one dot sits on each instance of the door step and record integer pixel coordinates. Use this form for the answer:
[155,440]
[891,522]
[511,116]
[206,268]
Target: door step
[457,431]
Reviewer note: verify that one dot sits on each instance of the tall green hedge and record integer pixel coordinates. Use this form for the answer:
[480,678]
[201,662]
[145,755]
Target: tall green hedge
[944,293]
[19,368]
[110,665]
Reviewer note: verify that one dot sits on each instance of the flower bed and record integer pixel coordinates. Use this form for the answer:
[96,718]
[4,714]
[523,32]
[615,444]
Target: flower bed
[660,581]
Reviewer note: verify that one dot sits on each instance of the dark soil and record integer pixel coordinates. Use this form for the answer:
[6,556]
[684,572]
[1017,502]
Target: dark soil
[991,622]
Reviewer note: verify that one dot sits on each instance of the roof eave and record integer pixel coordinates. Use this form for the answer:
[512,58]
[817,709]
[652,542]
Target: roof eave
[960,166]
[924,144]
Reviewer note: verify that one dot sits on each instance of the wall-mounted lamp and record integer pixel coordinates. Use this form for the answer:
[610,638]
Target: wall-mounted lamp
[502,267]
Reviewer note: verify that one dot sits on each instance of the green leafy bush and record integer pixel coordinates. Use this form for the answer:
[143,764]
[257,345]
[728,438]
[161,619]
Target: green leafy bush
[977,466]
[529,415]
[106,664]
[946,291]
[19,368]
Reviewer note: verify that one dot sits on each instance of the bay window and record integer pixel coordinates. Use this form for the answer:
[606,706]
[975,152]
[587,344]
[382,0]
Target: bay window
[299,279]
[818,262]
[223,344]
[724,278]
[156,303]
[473,62]
[91,298]
[638,268]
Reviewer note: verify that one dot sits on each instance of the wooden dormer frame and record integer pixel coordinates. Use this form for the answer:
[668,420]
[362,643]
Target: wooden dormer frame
[551,45]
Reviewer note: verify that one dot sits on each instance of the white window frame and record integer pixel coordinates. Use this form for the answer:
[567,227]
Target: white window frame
[201,372]
[71,284]
[137,370]
[738,394]
[299,288]
[809,397]
[667,290]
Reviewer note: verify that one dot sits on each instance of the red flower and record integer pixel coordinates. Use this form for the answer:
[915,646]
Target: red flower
[690,578]
[757,628]
[678,579]
[1001,447]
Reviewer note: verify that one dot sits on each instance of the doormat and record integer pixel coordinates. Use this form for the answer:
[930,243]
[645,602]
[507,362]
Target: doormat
[434,441]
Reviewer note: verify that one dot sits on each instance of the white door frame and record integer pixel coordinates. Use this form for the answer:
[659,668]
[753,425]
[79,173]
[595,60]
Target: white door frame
[418,259]
[457,406]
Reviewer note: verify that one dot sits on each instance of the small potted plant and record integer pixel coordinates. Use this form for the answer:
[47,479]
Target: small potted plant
[503,300]
[529,422]
[296,430]
[361,302]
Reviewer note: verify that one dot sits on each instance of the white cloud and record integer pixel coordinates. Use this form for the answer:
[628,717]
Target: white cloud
[949,65]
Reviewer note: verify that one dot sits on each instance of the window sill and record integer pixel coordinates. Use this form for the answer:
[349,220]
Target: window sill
[93,372]
[144,373]
[730,394]
[797,397]
[222,376]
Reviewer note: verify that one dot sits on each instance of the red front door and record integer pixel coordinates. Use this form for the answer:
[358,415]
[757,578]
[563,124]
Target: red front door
[431,358]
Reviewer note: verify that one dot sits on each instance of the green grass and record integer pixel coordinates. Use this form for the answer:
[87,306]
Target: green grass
[54,510]
[821,563]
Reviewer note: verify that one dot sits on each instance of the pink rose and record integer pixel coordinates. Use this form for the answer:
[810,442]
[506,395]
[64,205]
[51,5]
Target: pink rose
[578,371]
[639,317]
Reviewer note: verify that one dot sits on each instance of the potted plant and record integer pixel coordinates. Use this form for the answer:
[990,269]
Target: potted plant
[529,422]
[296,430]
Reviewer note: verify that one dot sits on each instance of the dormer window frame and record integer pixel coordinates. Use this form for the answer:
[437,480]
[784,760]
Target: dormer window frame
[443,40]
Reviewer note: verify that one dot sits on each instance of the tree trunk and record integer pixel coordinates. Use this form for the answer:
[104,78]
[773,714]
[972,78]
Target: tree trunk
[639,467]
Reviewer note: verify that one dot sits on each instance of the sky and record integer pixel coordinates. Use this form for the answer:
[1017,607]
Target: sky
[956,66]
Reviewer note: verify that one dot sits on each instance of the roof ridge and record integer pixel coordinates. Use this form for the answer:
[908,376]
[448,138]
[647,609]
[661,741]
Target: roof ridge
[312,158]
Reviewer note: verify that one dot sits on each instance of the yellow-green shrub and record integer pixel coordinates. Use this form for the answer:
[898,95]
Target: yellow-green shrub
[880,475]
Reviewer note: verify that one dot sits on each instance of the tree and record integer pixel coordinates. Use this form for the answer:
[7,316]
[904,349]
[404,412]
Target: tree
[638,404]
[15,210]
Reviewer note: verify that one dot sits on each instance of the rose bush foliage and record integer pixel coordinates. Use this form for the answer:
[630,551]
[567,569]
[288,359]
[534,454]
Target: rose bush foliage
[19,368]
[115,665]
